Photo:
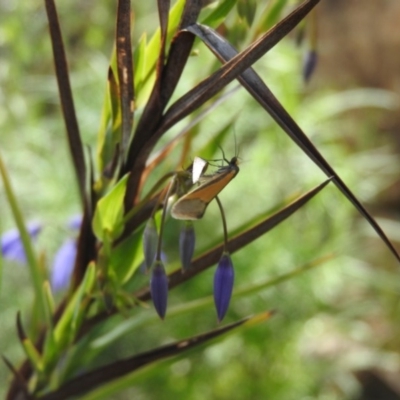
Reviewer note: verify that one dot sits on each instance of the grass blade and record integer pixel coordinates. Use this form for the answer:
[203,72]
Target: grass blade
[34,267]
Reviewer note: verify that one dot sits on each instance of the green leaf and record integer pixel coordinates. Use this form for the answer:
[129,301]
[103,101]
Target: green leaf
[272,14]
[218,14]
[139,62]
[71,319]
[153,47]
[33,355]
[247,10]
[116,371]
[48,295]
[127,256]
[103,131]
[108,217]
[115,104]
[109,134]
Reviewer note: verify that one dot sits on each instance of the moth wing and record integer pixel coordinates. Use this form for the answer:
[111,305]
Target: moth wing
[192,205]
[188,208]
[199,166]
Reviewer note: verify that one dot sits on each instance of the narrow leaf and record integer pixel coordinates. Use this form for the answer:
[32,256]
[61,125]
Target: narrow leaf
[154,106]
[66,327]
[272,13]
[149,132]
[153,48]
[125,69]
[48,295]
[210,258]
[30,350]
[233,68]
[236,243]
[219,13]
[143,140]
[126,257]
[34,267]
[139,62]
[128,381]
[20,384]
[67,103]
[109,212]
[120,368]
[259,90]
[86,244]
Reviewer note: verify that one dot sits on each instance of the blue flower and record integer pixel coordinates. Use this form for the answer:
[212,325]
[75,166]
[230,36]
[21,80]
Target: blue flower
[187,240]
[11,245]
[64,259]
[159,288]
[75,222]
[223,284]
[63,265]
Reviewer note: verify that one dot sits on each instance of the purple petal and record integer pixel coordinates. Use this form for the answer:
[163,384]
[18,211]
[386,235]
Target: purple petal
[75,222]
[187,240]
[309,64]
[11,245]
[223,285]
[63,265]
[159,288]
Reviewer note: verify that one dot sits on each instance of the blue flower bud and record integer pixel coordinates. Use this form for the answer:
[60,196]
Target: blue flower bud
[309,64]
[223,284]
[63,265]
[150,241]
[187,240]
[159,288]
[11,245]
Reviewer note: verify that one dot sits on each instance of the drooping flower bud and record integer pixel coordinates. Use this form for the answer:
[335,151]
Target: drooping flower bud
[150,241]
[223,284]
[187,240]
[159,288]
[309,64]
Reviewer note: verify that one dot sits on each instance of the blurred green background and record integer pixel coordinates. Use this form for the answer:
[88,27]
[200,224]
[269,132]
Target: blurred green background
[333,321]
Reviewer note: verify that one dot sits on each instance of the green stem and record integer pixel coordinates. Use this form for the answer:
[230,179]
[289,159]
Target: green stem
[223,222]
[164,212]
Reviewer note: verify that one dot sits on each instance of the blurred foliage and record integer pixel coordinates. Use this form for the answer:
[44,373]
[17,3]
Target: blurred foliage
[340,316]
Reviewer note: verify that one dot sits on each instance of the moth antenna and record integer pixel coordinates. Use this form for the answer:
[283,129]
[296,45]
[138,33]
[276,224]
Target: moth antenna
[223,154]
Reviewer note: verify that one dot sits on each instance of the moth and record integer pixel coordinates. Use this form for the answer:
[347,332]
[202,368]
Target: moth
[192,205]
